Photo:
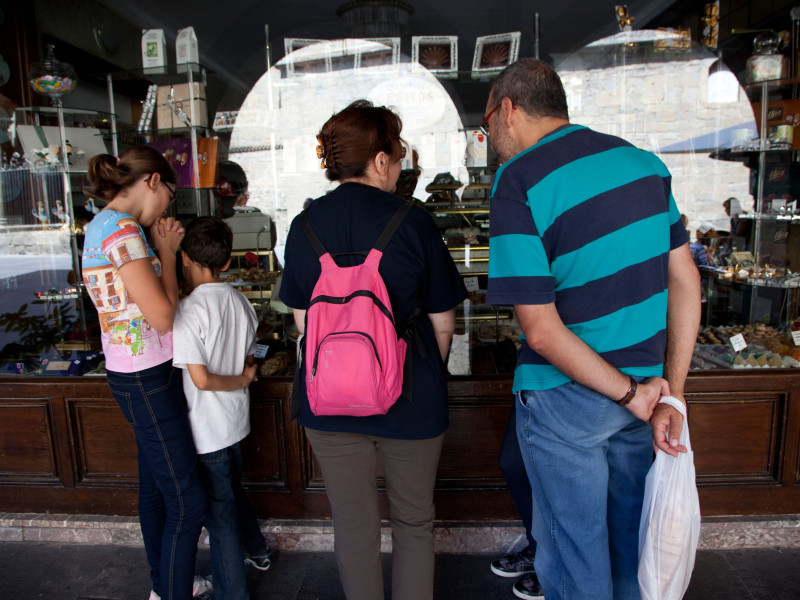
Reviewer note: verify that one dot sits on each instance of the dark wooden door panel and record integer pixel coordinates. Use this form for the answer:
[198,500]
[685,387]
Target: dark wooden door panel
[104,443]
[737,440]
[65,447]
[472,444]
[27,442]
[264,450]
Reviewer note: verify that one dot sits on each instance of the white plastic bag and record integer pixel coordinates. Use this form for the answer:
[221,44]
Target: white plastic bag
[670,525]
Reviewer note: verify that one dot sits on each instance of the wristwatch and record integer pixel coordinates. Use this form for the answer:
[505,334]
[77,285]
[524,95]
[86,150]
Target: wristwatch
[630,394]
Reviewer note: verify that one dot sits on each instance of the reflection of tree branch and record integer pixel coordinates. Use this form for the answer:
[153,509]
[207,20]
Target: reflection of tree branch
[34,334]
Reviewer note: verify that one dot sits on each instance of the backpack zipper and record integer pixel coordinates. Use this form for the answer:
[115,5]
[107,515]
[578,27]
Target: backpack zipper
[361,333]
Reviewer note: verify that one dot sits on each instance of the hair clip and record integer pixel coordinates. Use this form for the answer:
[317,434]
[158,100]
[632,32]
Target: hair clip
[321,151]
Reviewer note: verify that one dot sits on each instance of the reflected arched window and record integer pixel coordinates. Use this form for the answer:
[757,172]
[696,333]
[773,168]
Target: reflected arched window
[723,87]
[274,136]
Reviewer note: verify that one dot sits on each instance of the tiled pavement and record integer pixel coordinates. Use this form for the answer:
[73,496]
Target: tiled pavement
[56,571]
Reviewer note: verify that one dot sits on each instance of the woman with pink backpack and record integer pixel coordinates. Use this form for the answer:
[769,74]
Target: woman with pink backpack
[377,332]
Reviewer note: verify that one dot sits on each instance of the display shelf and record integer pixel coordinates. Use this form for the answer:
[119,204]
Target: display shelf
[763,290]
[747,155]
[196,116]
[795,216]
[772,84]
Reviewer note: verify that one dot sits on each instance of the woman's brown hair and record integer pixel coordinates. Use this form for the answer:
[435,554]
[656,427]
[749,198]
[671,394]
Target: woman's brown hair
[109,175]
[355,135]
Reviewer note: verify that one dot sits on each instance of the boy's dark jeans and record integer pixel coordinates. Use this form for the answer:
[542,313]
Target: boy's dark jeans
[231,522]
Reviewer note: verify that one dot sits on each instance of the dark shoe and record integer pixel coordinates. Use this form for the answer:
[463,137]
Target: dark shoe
[262,562]
[528,587]
[514,565]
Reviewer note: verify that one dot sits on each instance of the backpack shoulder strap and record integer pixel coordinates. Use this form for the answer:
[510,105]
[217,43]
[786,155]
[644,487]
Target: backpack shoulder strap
[392,226]
[313,239]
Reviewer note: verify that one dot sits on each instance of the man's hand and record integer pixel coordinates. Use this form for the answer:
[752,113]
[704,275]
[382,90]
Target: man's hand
[647,396]
[667,422]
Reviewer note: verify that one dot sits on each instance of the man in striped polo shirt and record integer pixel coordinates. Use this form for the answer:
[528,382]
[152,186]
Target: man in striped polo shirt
[588,246]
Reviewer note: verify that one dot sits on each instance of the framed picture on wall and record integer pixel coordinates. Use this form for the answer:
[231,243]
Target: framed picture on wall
[385,54]
[302,57]
[493,53]
[438,54]
[292,44]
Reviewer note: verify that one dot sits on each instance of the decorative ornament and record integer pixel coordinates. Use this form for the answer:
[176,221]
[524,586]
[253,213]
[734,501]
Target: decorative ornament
[624,20]
[495,55]
[434,57]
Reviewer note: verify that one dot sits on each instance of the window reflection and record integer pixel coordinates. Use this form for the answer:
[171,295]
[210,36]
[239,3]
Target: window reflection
[659,100]
[274,136]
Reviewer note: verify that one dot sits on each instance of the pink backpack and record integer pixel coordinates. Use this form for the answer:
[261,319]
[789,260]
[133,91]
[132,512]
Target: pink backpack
[353,354]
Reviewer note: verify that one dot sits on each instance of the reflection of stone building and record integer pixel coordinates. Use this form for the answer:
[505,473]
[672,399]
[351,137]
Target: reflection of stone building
[662,104]
[273,139]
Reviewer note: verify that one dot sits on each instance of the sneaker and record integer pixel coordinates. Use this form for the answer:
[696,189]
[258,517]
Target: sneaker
[262,562]
[514,565]
[202,587]
[528,587]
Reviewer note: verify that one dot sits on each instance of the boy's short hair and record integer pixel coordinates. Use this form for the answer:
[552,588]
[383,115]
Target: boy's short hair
[208,242]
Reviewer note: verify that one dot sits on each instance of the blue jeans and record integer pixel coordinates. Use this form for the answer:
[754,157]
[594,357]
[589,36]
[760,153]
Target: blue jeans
[172,503]
[587,459]
[513,468]
[231,523]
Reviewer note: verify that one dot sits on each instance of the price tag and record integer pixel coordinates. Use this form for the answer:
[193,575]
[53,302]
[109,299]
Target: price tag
[57,365]
[471,283]
[738,343]
[796,337]
[261,350]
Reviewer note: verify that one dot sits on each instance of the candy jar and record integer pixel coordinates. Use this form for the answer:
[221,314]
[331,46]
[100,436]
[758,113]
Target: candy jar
[51,77]
[766,63]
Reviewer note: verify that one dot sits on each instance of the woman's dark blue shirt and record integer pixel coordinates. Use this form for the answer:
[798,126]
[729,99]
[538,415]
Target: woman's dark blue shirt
[417,270]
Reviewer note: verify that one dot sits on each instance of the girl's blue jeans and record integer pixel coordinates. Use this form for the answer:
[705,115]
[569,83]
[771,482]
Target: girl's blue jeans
[172,502]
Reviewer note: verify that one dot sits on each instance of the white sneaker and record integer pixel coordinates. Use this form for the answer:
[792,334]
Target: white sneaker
[201,587]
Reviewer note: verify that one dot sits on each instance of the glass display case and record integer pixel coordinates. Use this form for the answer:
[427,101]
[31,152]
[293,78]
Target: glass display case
[752,278]
[48,325]
[675,100]
[732,157]
[486,337]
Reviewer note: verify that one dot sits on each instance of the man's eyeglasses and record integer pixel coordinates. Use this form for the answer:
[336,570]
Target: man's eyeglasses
[484,126]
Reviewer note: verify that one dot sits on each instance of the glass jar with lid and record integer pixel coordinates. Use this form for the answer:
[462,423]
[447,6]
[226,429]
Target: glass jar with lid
[766,63]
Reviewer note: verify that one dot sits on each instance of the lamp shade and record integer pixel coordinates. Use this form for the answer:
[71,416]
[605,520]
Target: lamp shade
[375,18]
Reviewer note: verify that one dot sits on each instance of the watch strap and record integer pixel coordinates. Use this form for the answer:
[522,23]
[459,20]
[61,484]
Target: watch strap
[630,393]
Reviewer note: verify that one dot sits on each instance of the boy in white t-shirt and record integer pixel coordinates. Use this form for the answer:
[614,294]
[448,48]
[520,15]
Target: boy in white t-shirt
[214,342]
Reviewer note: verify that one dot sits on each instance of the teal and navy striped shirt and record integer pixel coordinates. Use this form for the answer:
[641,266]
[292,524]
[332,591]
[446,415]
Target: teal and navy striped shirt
[586,220]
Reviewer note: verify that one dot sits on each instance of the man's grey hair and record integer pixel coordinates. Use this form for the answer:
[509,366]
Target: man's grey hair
[534,86]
